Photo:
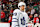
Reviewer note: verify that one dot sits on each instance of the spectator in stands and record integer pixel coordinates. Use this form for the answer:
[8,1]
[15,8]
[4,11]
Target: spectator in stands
[35,4]
[31,3]
[7,5]
[36,19]
[5,10]
[36,11]
[2,16]
[28,9]
[39,10]
[39,2]
[4,1]
[31,17]
[39,18]
[10,5]
[32,11]
[3,5]
[6,15]
[11,11]
[10,19]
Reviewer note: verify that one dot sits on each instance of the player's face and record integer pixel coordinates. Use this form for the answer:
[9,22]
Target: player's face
[22,7]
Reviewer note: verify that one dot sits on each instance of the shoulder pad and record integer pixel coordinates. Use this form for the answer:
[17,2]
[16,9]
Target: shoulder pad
[16,11]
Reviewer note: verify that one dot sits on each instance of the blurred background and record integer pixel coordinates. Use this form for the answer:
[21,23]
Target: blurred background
[8,6]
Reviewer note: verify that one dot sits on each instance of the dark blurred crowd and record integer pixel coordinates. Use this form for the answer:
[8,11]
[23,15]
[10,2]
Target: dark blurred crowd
[7,7]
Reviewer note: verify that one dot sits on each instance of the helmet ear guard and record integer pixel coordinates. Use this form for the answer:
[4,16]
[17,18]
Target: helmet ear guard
[19,6]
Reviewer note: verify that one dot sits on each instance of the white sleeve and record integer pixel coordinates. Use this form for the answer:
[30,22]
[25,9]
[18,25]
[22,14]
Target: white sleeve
[15,15]
[15,19]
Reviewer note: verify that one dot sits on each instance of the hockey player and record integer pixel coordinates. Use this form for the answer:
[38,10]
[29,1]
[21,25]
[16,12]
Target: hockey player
[20,17]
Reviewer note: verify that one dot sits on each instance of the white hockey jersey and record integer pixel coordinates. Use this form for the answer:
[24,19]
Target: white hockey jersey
[19,18]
